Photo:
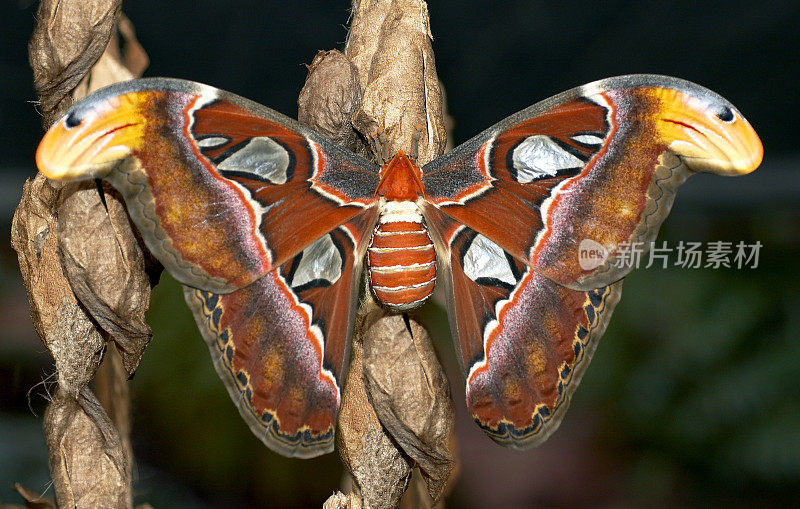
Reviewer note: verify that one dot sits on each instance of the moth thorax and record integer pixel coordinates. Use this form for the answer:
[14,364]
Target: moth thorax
[401,258]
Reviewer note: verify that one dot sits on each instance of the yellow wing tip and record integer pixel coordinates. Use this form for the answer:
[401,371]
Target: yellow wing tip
[753,154]
[708,133]
[88,150]
[47,154]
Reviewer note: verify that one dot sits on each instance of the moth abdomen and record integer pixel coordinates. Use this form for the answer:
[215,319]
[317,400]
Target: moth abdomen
[401,257]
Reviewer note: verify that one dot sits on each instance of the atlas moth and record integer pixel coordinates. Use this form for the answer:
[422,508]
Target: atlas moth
[269,226]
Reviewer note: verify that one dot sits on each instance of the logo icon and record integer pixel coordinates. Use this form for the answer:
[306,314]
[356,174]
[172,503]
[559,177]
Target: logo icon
[591,254]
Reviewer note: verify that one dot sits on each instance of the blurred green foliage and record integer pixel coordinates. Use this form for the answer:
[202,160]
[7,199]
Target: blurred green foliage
[696,375]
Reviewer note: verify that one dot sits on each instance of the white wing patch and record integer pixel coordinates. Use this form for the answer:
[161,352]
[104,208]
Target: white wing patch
[538,156]
[588,139]
[321,260]
[485,259]
[261,156]
[213,141]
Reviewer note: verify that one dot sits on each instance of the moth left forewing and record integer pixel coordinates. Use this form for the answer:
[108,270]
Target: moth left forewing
[523,340]
[221,188]
[281,344]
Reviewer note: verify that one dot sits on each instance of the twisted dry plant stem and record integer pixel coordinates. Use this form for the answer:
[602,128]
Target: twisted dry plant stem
[83,268]
[396,416]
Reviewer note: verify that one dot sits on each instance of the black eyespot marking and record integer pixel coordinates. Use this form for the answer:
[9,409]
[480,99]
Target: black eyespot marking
[72,120]
[726,114]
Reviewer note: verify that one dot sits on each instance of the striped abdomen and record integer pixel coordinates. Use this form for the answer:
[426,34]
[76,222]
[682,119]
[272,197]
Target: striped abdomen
[401,258]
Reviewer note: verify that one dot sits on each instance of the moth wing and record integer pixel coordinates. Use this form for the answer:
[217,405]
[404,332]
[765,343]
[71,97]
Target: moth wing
[222,189]
[264,222]
[281,344]
[596,167]
[513,210]
[523,340]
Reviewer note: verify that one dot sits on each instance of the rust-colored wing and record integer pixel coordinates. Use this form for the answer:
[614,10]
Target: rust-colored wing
[598,163]
[262,219]
[521,212]
[222,189]
[281,344]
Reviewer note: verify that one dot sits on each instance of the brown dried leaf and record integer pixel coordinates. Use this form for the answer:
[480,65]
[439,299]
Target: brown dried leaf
[69,37]
[134,58]
[125,49]
[410,395]
[119,62]
[330,97]
[401,89]
[105,267]
[107,71]
[88,463]
[30,227]
[380,470]
[417,496]
[61,322]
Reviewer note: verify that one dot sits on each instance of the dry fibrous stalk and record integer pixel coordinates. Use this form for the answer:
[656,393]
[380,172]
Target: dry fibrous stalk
[380,470]
[88,461]
[390,44]
[83,268]
[396,414]
[64,326]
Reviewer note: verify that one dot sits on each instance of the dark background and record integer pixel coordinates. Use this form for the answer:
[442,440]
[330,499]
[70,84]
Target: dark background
[692,396]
